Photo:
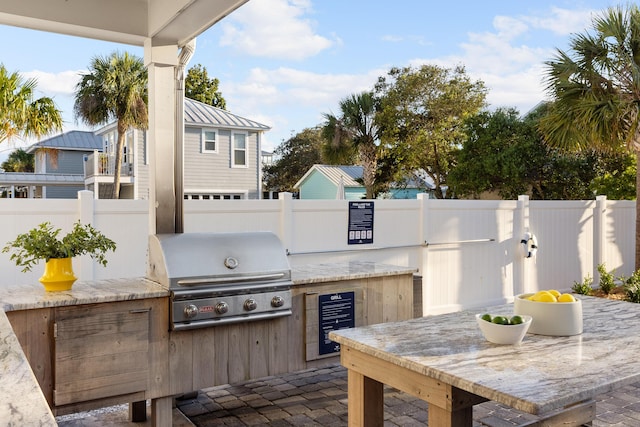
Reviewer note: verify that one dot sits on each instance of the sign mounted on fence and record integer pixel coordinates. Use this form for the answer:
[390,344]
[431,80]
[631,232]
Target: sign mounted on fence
[335,312]
[360,223]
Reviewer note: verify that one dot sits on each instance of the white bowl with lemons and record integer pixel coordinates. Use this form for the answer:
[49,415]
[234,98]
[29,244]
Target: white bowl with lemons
[553,313]
[495,329]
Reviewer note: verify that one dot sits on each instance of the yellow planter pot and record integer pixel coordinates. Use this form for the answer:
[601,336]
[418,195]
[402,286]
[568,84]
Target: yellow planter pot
[58,275]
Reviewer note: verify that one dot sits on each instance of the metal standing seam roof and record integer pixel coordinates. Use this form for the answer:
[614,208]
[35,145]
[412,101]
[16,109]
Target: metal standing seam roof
[27,178]
[201,114]
[72,140]
[349,174]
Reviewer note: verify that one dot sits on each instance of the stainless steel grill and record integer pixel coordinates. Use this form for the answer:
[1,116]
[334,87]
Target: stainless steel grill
[221,278]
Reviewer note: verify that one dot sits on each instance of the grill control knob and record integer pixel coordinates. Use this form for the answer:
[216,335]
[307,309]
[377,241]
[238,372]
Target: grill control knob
[277,301]
[222,307]
[190,311]
[250,304]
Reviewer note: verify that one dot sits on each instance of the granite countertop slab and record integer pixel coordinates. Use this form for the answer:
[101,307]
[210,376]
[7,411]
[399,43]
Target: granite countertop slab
[541,374]
[25,297]
[331,272]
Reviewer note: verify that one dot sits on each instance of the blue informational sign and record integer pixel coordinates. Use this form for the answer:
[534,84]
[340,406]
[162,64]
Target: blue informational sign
[360,223]
[336,311]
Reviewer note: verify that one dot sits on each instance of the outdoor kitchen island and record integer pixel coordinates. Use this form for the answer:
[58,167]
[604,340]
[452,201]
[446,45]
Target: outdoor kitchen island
[134,313]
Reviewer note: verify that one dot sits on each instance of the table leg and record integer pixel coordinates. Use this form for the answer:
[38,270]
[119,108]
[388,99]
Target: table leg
[365,401]
[439,417]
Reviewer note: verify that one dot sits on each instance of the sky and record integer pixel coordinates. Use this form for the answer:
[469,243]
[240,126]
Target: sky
[286,63]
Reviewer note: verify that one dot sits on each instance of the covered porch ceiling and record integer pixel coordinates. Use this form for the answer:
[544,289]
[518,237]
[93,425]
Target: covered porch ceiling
[133,22]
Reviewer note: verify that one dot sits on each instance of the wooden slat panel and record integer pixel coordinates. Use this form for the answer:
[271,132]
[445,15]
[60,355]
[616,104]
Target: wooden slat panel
[101,350]
[33,329]
[258,347]
[86,389]
[221,357]
[181,362]
[279,337]
[238,354]
[204,353]
[158,384]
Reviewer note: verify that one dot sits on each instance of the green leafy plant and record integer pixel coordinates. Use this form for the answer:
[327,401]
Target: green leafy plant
[607,280]
[42,243]
[584,287]
[632,287]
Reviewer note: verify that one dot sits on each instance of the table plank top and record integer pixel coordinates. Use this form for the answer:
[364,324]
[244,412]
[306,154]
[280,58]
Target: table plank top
[541,374]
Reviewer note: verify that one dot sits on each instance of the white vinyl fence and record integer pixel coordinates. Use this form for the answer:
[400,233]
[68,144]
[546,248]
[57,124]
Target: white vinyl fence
[468,253]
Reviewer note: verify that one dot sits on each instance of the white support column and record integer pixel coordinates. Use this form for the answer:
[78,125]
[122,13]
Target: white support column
[161,62]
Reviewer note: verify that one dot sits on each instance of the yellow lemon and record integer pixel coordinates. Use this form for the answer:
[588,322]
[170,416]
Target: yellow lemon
[566,298]
[544,296]
[554,293]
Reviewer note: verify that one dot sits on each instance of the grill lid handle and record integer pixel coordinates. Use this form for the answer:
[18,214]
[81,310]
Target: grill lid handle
[218,280]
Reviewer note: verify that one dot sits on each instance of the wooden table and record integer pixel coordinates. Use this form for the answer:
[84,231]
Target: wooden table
[446,361]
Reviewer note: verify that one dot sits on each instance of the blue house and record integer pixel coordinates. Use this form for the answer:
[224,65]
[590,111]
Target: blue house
[342,182]
[331,182]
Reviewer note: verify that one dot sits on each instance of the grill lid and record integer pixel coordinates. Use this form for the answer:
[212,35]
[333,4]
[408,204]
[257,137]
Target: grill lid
[194,259]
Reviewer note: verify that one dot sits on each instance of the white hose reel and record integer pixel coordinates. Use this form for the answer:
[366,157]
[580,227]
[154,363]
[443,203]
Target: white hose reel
[530,244]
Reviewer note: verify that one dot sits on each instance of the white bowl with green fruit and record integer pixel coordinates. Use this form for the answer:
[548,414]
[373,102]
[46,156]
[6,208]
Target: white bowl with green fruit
[501,329]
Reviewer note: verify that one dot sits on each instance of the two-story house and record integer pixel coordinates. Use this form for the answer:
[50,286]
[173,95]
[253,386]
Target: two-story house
[59,172]
[222,157]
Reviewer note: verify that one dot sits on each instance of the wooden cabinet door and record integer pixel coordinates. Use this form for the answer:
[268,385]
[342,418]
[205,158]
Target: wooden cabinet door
[101,350]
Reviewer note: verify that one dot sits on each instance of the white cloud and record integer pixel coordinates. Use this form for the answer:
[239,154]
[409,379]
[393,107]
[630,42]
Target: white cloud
[274,29]
[50,84]
[562,21]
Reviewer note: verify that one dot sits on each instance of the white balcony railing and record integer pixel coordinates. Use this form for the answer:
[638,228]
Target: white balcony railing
[101,164]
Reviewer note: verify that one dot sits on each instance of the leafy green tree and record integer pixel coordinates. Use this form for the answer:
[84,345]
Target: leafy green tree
[198,86]
[355,131]
[20,114]
[19,161]
[506,155]
[115,88]
[496,156]
[294,158]
[617,177]
[596,89]
[421,116]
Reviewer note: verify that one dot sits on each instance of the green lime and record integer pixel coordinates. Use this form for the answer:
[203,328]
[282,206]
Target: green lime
[486,317]
[500,320]
[516,320]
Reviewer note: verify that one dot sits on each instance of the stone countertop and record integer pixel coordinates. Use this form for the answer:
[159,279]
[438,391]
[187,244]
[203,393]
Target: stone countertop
[25,297]
[332,272]
[22,401]
[541,374]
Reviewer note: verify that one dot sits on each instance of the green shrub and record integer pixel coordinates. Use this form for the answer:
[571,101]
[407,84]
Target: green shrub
[584,287]
[607,280]
[632,287]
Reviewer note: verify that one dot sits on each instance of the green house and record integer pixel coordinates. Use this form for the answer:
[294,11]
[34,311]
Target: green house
[344,182]
[331,182]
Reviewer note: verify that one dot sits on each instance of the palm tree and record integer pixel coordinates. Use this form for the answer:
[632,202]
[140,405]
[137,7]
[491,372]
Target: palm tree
[114,88]
[355,131]
[18,161]
[20,114]
[596,90]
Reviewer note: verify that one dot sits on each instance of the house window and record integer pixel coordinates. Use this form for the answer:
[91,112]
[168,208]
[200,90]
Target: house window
[239,151]
[209,141]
